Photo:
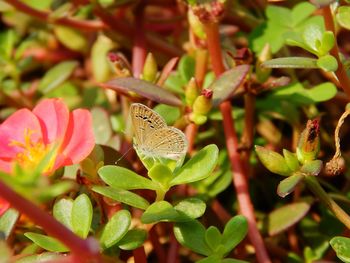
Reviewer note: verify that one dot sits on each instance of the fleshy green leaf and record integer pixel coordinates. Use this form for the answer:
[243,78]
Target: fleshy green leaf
[101,125]
[121,178]
[186,210]
[144,89]
[301,11]
[43,257]
[186,68]
[225,86]
[100,66]
[234,232]
[291,160]
[286,216]
[133,239]
[286,186]
[161,174]
[192,235]
[312,167]
[8,221]
[115,229]
[273,161]
[56,76]
[46,242]
[327,42]
[291,62]
[82,215]
[122,196]
[198,167]
[213,237]
[341,246]
[191,207]
[327,63]
[343,16]
[71,38]
[62,212]
[169,113]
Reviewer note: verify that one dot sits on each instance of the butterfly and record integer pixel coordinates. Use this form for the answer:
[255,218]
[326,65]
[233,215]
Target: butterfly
[153,138]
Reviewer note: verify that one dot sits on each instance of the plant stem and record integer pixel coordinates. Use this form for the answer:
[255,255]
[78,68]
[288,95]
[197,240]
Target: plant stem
[344,81]
[318,191]
[64,21]
[140,255]
[83,250]
[239,178]
[139,46]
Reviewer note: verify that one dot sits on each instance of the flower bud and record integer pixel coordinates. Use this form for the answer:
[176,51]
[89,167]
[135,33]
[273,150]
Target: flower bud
[203,103]
[309,142]
[150,68]
[119,65]
[273,161]
[191,92]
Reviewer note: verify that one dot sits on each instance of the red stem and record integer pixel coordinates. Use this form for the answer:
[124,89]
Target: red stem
[239,178]
[45,16]
[139,47]
[140,255]
[84,250]
[173,251]
[157,246]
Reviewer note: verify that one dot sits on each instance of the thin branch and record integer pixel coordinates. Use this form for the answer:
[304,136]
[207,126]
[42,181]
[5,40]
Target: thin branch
[239,178]
[83,250]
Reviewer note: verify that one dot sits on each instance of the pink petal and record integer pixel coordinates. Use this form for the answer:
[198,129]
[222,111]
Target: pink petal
[14,129]
[4,205]
[79,139]
[53,115]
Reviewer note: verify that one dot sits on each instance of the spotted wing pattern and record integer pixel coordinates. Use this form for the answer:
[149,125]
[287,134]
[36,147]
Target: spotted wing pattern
[153,138]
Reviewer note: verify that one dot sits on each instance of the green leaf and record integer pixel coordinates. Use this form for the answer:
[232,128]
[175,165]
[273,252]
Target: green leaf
[186,68]
[343,16]
[8,221]
[291,62]
[115,229]
[122,196]
[192,235]
[322,92]
[43,257]
[225,85]
[211,259]
[82,215]
[273,161]
[169,113]
[341,246]
[71,38]
[161,174]
[133,239]
[198,167]
[143,88]
[100,66]
[286,186]
[185,210]
[7,41]
[191,207]
[213,237]
[101,125]
[121,178]
[234,232]
[160,211]
[291,160]
[301,12]
[62,210]
[46,242]
[327,43]
[56,76]
[284,217]
[312,167]
[327,63]
[312,36]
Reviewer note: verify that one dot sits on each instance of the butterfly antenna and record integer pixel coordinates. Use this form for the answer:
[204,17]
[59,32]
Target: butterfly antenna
[116,162]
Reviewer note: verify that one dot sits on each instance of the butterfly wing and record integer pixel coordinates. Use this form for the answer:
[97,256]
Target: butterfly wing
[144,121]
[167,142]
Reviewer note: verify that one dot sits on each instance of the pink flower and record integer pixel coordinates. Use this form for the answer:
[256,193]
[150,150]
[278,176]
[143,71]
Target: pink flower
[26,137]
